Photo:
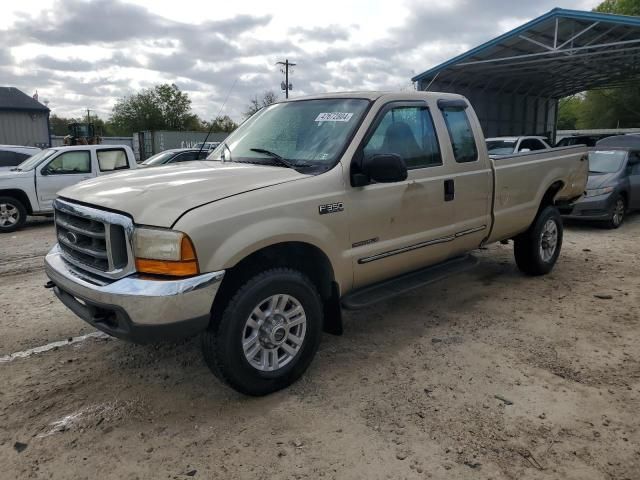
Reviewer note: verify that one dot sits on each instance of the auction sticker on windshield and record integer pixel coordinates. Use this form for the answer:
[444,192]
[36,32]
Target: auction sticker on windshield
[334,117]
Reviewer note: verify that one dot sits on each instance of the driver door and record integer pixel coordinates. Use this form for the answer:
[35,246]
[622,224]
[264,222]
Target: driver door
[62,171]
[402,226]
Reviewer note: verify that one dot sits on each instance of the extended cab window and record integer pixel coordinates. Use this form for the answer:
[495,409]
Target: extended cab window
[409,133]
[461,135]
[110,160]
[69,163]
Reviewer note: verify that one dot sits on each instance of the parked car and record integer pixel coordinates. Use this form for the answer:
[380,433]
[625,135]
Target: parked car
[13,155]
[362,196]
[206,146]
[613,187]
[175,155]
[587,140]
[31,187]
[498,146]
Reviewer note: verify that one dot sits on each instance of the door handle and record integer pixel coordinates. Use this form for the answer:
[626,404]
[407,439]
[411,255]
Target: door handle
[449,190]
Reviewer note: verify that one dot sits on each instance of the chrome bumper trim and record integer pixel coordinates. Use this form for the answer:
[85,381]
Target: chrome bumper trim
[147,302]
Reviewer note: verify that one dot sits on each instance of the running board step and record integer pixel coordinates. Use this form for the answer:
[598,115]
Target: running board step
[386,289]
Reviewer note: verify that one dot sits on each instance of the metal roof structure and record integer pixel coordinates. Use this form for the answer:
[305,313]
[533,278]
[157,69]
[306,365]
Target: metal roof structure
[13,99]
[558,54]
[561,53]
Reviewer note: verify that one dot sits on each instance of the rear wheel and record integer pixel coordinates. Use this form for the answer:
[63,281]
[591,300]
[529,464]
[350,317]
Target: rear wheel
[268,333]
[537,250]
[618,210]
[13,214]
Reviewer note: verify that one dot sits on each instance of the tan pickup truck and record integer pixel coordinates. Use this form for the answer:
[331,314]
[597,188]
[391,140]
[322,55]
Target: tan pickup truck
[312,205]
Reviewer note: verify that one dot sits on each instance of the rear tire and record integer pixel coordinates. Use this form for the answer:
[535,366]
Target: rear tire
[13,214]
[536,250]
[618,210]
[267,334]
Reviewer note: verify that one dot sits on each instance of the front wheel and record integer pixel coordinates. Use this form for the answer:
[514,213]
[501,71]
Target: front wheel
[268,333]
[618,210]
[13,214]
[537,250]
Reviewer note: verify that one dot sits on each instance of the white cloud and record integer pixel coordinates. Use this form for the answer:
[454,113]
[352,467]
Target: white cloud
[80,53]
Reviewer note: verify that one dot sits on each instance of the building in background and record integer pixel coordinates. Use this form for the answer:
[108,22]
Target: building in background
[23,119]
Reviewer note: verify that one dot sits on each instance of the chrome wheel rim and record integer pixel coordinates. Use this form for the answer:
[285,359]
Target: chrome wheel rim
[549,240]
[274,332]
[618,212]
[9,215]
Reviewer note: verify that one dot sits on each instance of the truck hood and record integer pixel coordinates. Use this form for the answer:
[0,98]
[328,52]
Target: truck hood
[160,195]
[598,180]
[7,175]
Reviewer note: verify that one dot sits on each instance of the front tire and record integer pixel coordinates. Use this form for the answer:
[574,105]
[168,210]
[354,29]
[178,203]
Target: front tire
[536,250]
[13,214]
[267,334]
[618,211]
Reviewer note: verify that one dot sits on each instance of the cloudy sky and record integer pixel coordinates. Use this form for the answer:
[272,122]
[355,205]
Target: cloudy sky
[83,54]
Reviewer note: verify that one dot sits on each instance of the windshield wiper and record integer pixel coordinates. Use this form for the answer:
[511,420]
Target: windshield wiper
[279,158]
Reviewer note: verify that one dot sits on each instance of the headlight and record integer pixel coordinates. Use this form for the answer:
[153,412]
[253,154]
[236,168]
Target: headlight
[160,251]
[598,191]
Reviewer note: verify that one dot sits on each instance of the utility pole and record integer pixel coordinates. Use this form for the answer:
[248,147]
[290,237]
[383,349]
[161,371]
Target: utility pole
[286,86]
[88,116]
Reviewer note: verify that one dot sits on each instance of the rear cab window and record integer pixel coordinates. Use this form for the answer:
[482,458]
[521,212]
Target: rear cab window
[12,159]
[112,159]
[462,139]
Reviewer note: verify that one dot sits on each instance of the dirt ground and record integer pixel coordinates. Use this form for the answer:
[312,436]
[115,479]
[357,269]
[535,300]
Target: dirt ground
[488,375]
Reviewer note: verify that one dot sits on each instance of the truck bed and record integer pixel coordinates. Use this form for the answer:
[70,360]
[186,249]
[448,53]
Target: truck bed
[520,184]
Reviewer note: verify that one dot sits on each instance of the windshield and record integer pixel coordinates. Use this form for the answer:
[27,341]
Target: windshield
[606,161]
[501,147]
[32,162]
[158,158]
[303,133]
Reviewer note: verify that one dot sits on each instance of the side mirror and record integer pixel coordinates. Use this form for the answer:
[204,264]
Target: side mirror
[385,168]
[525,150]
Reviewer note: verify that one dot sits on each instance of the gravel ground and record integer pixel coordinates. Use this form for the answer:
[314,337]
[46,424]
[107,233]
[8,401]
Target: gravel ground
[489,374]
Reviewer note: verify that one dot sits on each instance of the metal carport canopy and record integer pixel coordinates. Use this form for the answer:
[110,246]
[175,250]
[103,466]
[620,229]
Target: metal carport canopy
[515,80]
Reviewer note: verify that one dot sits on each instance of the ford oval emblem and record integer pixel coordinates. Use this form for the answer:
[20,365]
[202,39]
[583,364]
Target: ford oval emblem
[72,237]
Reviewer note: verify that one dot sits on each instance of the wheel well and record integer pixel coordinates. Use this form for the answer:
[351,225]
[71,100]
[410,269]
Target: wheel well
[306,258]
[18,195]
[549,195]
[625,196]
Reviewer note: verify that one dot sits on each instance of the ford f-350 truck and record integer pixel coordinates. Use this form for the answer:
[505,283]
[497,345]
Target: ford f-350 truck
[312,205]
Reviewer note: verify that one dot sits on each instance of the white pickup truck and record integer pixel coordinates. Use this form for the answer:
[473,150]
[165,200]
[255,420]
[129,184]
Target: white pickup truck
[31,187]
[312,205]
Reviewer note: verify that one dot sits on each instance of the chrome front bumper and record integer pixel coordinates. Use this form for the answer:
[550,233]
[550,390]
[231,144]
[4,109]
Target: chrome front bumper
[135,308]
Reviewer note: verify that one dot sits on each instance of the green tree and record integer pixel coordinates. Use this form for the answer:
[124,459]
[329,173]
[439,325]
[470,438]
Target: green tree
[268,97]
[606,108]
[620,7]
[163,107]
[569,112]
[223,123]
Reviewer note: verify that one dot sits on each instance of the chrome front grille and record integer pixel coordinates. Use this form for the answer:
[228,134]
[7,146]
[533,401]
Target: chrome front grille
[93,240]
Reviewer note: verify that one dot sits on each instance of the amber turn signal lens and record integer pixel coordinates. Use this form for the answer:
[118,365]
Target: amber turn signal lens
[165,267]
